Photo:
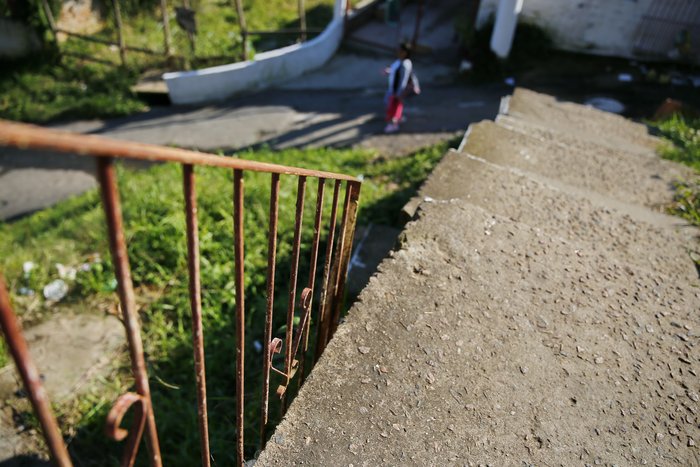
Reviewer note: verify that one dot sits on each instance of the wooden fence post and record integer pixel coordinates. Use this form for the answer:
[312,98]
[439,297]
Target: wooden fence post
[190,34]
[302,19]
[120,31]
[50,19]
[166,27]
[244,29]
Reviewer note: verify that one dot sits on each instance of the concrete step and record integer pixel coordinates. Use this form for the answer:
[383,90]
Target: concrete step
[487,340]
[544,133]
[581,120]
[626,176]
[636,236]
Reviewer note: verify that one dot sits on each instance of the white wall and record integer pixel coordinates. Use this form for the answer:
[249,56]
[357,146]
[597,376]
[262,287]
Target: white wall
[605,27]
[266,69]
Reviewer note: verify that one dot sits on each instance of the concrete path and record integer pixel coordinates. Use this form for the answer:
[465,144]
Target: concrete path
[308,112]
[525,318]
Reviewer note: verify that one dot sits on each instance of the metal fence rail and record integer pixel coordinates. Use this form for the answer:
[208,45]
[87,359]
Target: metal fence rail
[662,26]
[327,313]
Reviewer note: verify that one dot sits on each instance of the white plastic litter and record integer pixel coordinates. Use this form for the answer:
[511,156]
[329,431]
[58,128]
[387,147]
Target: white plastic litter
[55,290]
[26,291]
[606,104]
[27,268]
[624,77]
[66,272]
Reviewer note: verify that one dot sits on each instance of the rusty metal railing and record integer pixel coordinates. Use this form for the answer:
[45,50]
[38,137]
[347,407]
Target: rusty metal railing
[335,266]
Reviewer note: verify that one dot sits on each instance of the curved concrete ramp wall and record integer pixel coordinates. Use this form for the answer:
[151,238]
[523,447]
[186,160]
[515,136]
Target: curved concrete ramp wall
[267,68]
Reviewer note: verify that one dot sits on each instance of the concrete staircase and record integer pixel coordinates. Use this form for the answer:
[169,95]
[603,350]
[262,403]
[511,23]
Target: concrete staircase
[540,309]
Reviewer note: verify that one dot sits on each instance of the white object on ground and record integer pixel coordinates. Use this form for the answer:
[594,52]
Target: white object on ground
[26,291]
[504,28]
[66,272]
[624,78]
[55,290]
[27,268]
[465,66]
[606,104]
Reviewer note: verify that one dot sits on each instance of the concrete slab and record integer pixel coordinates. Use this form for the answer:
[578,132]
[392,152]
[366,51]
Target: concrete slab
[355,71]
[562,137]
[69,350]
[73,353]
[625,176]
[599,228]
[581,120]
[485,340]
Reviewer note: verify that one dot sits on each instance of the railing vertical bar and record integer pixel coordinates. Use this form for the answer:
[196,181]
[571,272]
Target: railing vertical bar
[288,357]
[196,307]
[312,273]
[240,308]
[323,315]
[117,243]
[271,263]
[352,196]
[31,379]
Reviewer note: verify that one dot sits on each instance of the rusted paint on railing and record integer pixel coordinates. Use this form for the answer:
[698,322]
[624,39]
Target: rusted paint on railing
[31,379]
[196,308]
[240,309]
[290,365]
[312,274]
[21,135]
[114,419]
[347,231]
[323,313]
[117,244]
[271,267]
[294,342]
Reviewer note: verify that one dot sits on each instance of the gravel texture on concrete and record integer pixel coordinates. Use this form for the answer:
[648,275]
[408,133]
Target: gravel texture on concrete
[520,321]
[654,242]
[648,180]
[576,118]
[580,141]
[490,341]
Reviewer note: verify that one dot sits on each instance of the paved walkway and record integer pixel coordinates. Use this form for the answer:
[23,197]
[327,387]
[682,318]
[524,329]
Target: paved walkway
[340,106]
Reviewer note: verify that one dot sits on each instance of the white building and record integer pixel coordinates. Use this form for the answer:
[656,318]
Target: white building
[625,28]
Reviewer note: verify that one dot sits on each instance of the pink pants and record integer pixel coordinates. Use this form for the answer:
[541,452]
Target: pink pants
[394,110]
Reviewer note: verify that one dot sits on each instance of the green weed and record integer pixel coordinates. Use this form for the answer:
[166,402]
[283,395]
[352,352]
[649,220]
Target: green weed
[682,137]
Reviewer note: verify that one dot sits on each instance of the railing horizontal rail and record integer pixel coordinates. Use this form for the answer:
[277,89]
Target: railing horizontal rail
[25,136]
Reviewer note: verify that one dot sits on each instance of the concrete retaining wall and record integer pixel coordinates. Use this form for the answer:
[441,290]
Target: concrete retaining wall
[267,68]
[596,26]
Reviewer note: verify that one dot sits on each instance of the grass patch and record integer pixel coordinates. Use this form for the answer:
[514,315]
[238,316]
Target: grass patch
[72,233]
[682,136]
[47,86]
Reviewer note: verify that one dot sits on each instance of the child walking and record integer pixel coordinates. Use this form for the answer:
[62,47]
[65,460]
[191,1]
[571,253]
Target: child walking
[400,75]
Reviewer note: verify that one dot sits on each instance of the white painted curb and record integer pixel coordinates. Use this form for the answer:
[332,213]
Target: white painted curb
[267,68]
